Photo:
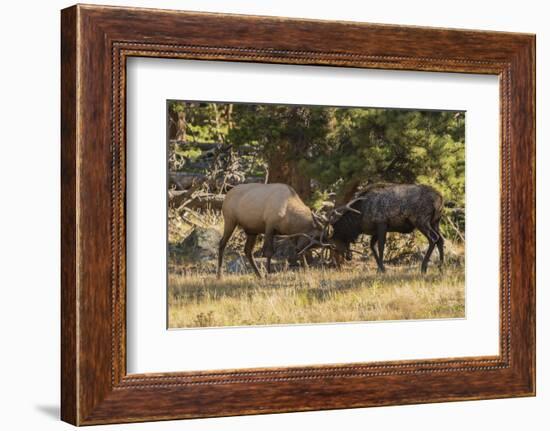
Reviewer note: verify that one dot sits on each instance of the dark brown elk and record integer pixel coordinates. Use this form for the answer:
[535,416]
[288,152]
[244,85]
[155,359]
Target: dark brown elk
[269,209]
[383,208]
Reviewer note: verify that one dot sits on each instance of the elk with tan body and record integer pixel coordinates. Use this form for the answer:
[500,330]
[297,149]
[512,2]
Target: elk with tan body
[269,209]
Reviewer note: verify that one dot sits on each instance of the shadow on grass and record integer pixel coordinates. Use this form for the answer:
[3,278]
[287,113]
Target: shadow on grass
[312,285]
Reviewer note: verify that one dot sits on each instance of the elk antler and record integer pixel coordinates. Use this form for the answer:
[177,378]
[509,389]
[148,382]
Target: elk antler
[312,241]
[339,211]
[320,219]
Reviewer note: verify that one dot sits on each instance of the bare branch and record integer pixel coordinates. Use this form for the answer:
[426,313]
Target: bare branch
[455,228]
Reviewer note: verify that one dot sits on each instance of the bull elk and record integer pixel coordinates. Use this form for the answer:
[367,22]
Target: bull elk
[383,208]
[269,209]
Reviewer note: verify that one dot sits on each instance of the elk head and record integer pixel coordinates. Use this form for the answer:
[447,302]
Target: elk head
[341,250]
[322,235]
[315,238]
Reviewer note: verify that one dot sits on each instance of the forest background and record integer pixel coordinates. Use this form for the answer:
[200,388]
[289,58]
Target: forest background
[327,154]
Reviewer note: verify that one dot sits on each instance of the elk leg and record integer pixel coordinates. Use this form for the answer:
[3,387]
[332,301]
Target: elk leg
[248,249]
[294,259]
[304,261]
[381,231]
[439,244]
[268,249]
[336,257]
[432,239]
[373,241]
[228,228]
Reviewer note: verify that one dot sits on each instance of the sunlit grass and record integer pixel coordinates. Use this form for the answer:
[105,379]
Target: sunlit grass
[315,295]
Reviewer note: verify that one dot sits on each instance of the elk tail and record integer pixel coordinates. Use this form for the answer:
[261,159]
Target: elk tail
[438,209]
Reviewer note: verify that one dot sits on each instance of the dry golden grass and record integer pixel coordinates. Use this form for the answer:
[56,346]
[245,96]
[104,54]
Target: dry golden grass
[315,296]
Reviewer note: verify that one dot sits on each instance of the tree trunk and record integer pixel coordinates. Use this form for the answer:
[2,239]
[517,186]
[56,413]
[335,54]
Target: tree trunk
[180,126]
[278,169]
[172,124]
[299,181]
[347,191]
[282,170]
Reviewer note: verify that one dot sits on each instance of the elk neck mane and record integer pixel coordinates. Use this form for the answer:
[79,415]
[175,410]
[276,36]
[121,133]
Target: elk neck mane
[348,227]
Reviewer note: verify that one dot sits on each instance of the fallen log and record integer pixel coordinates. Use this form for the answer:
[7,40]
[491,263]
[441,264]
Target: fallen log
[206,201]
[184,180]
[184,199]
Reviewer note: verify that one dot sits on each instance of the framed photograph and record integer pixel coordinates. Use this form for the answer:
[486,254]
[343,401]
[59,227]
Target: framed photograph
[264,215]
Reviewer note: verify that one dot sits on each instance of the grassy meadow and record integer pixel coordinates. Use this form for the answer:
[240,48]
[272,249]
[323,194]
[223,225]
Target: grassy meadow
[315,295]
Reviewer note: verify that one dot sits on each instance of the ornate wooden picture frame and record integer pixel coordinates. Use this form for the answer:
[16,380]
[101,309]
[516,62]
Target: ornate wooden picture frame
[96,41]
